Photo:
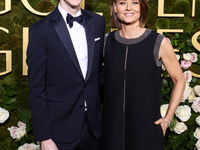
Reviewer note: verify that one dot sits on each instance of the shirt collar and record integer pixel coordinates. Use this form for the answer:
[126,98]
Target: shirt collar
[64,13]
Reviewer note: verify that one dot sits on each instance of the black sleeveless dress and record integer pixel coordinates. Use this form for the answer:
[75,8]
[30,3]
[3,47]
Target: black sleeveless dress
[132,93]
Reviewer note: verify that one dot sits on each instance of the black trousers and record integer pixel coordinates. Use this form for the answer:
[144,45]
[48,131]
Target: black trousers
[85,141]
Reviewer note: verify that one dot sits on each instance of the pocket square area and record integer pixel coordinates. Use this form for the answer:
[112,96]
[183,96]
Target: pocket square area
[96,39]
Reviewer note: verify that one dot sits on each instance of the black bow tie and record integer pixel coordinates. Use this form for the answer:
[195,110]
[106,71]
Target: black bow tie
[80,19]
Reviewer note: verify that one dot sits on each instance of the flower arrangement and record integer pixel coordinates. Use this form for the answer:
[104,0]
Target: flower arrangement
[185,125]
[21,134]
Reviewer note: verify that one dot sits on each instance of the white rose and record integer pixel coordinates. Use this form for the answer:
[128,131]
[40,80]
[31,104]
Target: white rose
[187,92]
[197,133]
[198,144]
[163,109]
[180,127]
[197,90]
[198,120]
[183,113]
[27,146]
[4,114]
[178,57]
[187,84]
[193,57]
[20,132]
[23,147]
[188,76]
[187,56]
[13,131]
[21,124]
[191,97]
[196,104]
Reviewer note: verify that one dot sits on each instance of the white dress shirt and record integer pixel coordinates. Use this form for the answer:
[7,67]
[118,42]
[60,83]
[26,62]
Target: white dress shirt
[78,37]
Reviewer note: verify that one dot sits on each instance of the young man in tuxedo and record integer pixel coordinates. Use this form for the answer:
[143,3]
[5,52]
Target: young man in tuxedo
[64,59]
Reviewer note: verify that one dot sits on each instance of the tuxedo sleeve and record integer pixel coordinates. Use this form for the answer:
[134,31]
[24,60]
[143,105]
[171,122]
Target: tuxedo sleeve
[36,61]
[101,67]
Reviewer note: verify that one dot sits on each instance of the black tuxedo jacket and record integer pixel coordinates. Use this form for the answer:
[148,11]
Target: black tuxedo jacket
[57,87]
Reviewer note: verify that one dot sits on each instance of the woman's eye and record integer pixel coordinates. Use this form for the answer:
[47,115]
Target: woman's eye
[135,2]
[122,3]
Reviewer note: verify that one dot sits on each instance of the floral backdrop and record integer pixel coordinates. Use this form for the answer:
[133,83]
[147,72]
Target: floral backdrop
[15,119]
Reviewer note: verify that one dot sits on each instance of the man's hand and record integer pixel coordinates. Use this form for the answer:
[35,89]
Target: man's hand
[48,145]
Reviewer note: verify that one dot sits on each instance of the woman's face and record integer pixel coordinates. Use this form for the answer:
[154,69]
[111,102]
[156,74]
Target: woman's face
[128,11]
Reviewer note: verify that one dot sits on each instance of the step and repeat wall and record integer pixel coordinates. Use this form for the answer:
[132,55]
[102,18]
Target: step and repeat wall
[178,20]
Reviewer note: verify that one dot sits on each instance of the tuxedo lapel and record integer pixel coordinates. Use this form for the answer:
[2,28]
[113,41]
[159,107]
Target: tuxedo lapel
[89,29]
[62,31]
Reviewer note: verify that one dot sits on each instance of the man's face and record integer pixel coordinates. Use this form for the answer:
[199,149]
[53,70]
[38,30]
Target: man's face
[73,3]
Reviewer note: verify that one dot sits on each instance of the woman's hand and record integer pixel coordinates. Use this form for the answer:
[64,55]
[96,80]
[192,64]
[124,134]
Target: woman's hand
[164,124]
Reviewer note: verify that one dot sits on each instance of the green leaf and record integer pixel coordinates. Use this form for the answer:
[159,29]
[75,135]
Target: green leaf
[175,42]
[24,116]
[9,101]
[194,79]
[187,48]
[173,124]
[165,73]
[9,107]
[172,42]
[183,50]
[6,98]
[11,93]
[165,90]
[198,59]
[177,35]
[1,91]
[171,84]
[165,83]
[181,46]
[181,57]
[186,36]
[7,88]
[28,127]
[189,42]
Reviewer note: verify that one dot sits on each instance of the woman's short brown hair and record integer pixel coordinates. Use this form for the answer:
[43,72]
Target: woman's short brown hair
[144,8]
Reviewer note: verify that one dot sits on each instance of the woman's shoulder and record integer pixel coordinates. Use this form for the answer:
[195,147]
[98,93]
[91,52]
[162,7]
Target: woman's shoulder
[159,35]
[109,35]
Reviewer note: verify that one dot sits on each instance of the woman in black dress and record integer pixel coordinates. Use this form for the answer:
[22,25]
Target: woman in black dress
[133,58]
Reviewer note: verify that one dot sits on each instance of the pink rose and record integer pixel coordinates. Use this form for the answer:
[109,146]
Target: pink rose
[13,132]
[188,76]
[193,57]
[196,104]
[21,124]
[185,64]
[186,93]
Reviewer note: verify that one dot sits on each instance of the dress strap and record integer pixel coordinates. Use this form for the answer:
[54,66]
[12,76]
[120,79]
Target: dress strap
[157,49]
[104,46]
